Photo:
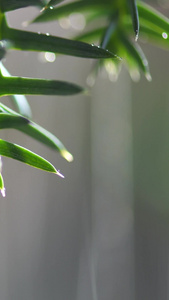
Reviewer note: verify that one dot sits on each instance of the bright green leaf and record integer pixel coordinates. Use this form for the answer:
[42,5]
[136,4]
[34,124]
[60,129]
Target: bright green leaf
[2,188]
[152,18]
[40,134]
[26,156]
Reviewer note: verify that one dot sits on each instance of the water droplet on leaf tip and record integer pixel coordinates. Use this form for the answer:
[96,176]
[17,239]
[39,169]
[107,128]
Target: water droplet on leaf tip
[51,7]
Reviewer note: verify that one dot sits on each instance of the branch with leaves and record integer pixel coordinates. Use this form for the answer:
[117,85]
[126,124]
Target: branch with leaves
[121,23]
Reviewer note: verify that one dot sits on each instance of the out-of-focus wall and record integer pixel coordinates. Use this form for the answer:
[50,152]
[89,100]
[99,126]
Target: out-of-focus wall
[74,238]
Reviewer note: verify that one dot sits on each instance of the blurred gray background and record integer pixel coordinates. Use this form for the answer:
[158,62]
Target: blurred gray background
[103,231]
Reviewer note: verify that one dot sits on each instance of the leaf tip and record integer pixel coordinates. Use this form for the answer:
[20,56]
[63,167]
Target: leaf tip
[3,192]
[67,155]
[136,35]
[148,76]
[59,174]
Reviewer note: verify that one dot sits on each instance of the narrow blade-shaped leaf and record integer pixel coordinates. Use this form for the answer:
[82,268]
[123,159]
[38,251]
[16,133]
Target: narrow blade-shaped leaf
[152,17]
[152,35]
[29,86]
[40,134]
[92,35]
[7,5]
[134,15]
[10,121]
[2,188]
[51,3]
[30,41]
[19,101]
[136,53]
[108,33]
[2,49]
[76,6]
[26,156]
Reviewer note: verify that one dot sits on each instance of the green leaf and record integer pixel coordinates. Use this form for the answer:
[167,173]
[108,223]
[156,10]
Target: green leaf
[92,35]
[134,16]
[40,134]
[53,2]
[19,101]
[10,121]
[2,49]
[30,86]
[30,41]
[108,33]
[26,156]
[77,6]
[136,54]
[152,18]
[152,35]
[2,188]
[7,5]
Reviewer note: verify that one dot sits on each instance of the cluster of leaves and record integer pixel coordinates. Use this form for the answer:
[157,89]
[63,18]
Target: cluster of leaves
[118,19]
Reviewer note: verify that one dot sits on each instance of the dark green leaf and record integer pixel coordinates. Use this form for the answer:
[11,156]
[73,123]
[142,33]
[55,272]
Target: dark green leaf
[134,16]
[2,49]
[7,5]
[9,121]
[31,41]
[26,156]
[30,86]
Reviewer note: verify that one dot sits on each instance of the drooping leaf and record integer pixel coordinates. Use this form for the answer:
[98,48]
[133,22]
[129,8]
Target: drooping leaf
[10,121]
[40,134]
[26,156]
[29,86]
[19,101]
[135,53]
[134,15]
